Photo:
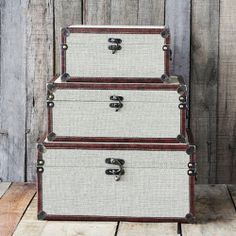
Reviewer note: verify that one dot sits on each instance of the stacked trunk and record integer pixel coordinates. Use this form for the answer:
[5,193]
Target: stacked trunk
[117,146]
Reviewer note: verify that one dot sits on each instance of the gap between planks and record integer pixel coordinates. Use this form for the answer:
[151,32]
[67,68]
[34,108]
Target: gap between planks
[4,187]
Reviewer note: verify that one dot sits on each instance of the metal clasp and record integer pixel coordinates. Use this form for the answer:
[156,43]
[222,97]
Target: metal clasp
[116,172]
[118,105]
[116,46]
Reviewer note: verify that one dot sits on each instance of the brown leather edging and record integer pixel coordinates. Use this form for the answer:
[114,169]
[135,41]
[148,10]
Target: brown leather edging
[114,218]
[111,139]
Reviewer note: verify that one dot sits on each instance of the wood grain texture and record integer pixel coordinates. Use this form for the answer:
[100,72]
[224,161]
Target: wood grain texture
[3,187]
[226,160]
[124,12]
[204,77]
[66,12]
[39,68]
[141,229]
[13,205]
[29,225]
[97,12]
[214,211]
[13,90]
[232,192]
[177,18]
[215,216]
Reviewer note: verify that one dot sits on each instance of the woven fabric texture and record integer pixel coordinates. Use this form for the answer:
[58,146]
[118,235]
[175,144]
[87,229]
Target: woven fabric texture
[137,118]
[155,183]
[141,55]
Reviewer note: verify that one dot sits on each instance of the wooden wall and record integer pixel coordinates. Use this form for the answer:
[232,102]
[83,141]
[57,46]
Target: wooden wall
[29,47]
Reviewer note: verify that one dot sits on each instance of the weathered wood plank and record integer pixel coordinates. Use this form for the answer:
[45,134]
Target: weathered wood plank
[13,205]
[39,68]
[97,12]
[141,229]
[226,93]
[80,228]
[12,91]
[215,212]
[66,12]
[204,81]
[29,225]
[177,18]
[213,203]
[151,12]
[232,192]
[124,12]
[3,187]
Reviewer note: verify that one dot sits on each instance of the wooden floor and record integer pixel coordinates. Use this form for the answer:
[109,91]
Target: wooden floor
[215,205]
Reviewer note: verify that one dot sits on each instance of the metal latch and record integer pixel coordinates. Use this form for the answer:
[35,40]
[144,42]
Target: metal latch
[192,171]
[39,166]
[116,172]
[116,105]
[116,44]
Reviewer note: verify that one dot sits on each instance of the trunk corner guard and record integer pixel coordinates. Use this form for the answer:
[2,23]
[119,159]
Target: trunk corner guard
[65,31]
[181,138]
[190,218]
[51,136]
[165,33]
[51,87]
[42,215]
[191,150]
[41,148]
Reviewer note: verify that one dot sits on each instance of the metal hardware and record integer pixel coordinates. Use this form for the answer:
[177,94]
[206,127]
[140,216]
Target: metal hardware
[181,138]
[50,104]
[118,105]
[182,99]
[41,148]
[112,161]
[189,217]
[51,87]
[191,149]
[65,77]
[116,172]
[192,169]
[42,215]
[51,136]
[182,106]
[192,165]
[116,98]
[165,33]
[182,89]
[191,172]
[115,40]
[165,78]
[166,47]
[40,162]
[64,46]
[174,79]
[66,32]
[40,169]
[50,96]
[114,48]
